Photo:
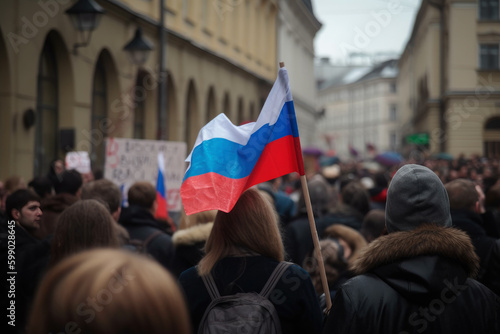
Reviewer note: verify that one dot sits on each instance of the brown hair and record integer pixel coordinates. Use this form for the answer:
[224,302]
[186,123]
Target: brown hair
[104,190]
[142,194]
[84,225]
[109,291]
[373,225]
[356,196]
[493,197]
[252,225]
[14,183]
[462,194]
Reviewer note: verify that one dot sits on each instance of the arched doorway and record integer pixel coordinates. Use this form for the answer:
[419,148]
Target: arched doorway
[105,90]
[211,108]
[491,138]
[241,112]
[172,114]
[227,105]
[5,110]
[47,110]
[191,115]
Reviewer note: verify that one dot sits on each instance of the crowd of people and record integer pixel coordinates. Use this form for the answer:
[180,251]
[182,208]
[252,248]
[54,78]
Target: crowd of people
[412,247]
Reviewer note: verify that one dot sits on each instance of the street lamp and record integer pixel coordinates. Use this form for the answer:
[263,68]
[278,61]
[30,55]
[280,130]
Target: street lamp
[85,16]
[138,48]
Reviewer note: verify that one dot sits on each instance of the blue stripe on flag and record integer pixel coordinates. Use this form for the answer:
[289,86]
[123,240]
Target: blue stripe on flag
[217,155]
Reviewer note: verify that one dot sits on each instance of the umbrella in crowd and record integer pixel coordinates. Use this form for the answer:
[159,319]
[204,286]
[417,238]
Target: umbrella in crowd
[312,151]
[328,161]
[389,159]
[443,156]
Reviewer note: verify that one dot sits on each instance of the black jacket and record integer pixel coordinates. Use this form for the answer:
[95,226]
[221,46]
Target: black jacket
[189,244]
[29,263]
[416,282]
[140,224]
[293,297]
[487,248]
[297,236]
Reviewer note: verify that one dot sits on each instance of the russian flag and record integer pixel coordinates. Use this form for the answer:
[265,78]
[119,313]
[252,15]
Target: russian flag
[228,159]
[161,198]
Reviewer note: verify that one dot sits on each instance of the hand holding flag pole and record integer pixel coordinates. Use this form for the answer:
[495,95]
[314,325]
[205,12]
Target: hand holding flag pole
[227,159]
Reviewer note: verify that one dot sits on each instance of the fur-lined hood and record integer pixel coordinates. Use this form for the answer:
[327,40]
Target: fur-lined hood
[353,238]
[192,235]
[426,240]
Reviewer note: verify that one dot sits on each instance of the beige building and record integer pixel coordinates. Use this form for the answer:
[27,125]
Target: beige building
[297,27]
[449,83]
[218,56]
[360,109]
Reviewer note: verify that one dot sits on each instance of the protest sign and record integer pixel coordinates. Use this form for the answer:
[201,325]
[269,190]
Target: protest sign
[78,160]
[130,160]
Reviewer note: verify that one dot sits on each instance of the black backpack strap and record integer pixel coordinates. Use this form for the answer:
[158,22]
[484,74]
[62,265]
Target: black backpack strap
[274,278]
[149,239]
[209,282]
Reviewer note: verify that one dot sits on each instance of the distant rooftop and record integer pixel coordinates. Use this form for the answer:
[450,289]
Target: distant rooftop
[386,69]
[329,75]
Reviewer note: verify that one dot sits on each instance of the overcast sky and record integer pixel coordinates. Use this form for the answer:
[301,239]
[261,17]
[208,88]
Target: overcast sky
[369,26]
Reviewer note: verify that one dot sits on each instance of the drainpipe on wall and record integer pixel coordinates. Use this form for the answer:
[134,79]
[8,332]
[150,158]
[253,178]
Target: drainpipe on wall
[162,80]
[442,122]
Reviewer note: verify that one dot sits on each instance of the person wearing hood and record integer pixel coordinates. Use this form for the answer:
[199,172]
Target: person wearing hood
[419,277]
[340,247]
[138,219]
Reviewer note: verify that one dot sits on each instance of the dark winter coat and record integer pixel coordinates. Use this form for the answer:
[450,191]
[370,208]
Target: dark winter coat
[296,302]
[487,248]
[414,282]
[30,263]
[140,224]
[298,239]
[189,245]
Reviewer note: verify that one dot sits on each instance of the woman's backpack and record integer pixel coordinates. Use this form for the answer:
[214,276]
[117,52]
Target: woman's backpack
[248,312]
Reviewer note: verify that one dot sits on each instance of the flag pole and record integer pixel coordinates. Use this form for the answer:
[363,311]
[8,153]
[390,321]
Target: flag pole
[314,234]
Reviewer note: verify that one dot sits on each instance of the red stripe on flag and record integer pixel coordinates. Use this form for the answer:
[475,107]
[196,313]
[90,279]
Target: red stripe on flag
[161,211]
[278,158]
[208,191]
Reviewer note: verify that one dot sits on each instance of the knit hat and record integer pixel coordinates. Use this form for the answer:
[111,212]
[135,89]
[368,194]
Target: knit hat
[416,196]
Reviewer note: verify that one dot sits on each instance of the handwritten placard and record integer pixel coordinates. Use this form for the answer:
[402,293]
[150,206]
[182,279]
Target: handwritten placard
[131,160]
[79,160]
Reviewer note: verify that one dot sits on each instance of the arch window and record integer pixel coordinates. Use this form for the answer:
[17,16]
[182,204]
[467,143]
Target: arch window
[99,116]
[46,144]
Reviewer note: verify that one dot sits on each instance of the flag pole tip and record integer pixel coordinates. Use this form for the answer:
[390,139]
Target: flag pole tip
[282,64]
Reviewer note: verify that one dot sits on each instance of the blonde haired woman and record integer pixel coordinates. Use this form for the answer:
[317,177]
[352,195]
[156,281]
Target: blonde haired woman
[242,251]
[108,291]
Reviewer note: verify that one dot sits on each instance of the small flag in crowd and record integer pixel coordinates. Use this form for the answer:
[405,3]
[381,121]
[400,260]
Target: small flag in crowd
[228,159]
[124,195]
[161,198]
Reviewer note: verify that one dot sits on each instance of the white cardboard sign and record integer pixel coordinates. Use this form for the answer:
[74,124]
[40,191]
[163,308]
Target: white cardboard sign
[131,160]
